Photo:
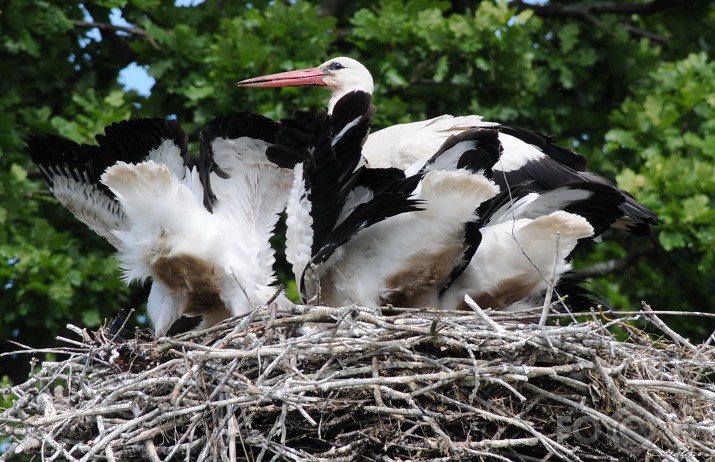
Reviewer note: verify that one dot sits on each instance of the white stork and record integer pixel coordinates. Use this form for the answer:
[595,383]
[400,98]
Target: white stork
[510,250]
[526,155]
[374,236]
[377,237]
[516,252]
[198,227]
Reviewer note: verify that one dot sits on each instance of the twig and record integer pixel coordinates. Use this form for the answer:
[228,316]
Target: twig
[664,328]
[473,305]
[376,374]
[391,385]
[550,286]
[232,431]
[108,451]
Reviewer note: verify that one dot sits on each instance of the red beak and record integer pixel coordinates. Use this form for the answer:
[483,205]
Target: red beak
[303,77]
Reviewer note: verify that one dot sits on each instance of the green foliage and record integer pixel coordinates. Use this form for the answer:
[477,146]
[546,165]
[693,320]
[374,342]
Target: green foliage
[200,57]
[667,128]
[664,138]
[640,112]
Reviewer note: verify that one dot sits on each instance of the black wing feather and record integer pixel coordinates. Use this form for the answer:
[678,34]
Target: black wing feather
[547,174]
[128,141]
[131,140]
[330,167]
[481,158]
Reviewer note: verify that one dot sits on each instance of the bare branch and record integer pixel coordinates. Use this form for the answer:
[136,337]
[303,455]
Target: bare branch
[584,9]
[605,268]
[472,389]
[589,11]
[138,31]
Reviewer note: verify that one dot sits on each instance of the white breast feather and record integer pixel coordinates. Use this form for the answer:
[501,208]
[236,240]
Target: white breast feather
[299,235]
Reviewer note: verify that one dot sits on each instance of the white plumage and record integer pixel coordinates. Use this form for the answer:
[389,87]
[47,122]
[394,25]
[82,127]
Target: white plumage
[526,155]
[199,228]
[404,145]
[172,239]
[416,214]
[89,205]
[404,259]
[515,261]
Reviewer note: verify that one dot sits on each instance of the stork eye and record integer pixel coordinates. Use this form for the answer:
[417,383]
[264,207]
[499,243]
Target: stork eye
[335,66]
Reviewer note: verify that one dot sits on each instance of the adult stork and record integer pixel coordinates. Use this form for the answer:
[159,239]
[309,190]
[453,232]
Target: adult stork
[375,236]
[199,227]
[526,156]
[515,251]
[510,251]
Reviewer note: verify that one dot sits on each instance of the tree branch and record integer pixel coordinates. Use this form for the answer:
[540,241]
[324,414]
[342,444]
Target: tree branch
[605,268]
[584,9]
[638,32]
[589,11]
[332,7]
[112,27]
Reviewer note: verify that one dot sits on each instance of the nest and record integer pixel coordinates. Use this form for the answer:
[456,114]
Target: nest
[359,384]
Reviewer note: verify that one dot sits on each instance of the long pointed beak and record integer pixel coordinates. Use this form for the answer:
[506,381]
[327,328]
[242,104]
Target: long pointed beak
[299,78]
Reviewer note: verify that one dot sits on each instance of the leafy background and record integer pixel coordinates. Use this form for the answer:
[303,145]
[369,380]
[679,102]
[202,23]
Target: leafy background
[630,85]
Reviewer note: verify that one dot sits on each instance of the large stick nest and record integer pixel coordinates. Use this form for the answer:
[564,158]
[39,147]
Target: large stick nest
[313,383]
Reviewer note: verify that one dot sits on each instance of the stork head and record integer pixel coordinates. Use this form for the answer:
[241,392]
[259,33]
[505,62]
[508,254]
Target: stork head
[340,75]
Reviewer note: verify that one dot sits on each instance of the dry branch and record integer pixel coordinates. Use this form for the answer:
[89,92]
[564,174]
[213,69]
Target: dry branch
[131,30]
[352,383]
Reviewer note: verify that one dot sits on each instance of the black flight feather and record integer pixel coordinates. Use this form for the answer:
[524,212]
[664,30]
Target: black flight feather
[481,158]
[128,141]
[330,167]
[547,174]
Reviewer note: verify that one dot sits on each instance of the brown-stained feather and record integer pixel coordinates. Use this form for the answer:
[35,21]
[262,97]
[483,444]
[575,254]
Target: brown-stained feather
[422,274]
[195,278]
[504,294]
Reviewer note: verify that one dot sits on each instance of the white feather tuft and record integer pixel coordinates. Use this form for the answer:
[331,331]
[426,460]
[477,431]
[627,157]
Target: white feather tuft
[516,153]
[169,154]
[299,234]
[91,206]
[521,252]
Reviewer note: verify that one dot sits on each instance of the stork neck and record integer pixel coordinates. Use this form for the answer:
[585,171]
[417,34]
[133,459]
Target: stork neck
[339,93]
